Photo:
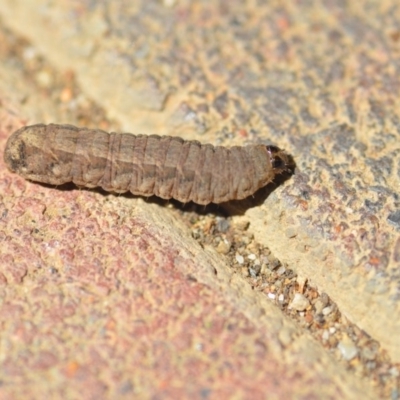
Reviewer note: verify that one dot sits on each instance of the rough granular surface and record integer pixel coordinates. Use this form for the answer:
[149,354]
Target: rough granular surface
[292,293]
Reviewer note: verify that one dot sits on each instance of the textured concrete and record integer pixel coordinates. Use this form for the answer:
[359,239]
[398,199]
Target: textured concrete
[105,296]
[322,81]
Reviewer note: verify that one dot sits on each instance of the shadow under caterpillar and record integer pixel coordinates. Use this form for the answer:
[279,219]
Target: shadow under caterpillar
[165,166]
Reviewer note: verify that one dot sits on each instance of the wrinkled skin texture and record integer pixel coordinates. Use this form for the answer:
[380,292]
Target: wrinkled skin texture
[165,166]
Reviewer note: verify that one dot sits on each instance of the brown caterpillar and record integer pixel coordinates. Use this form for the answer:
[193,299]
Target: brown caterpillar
[165,166]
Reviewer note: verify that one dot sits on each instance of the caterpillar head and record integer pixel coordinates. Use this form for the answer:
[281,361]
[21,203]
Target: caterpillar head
[281,161]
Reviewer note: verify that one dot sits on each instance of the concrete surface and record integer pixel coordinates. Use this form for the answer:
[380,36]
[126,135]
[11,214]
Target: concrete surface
[126,300]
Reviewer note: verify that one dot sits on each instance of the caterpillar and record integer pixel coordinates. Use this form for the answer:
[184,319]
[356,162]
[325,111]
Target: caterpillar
[165,166]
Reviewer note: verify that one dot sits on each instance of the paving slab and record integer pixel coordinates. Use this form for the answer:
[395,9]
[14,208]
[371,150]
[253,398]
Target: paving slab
[319,80]
[108,297]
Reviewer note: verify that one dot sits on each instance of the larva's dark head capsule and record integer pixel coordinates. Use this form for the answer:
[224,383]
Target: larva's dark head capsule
[281,162]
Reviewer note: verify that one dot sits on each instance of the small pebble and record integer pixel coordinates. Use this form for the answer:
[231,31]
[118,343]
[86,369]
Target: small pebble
[255,270]
[319,305]
[327,310]
[224,246]
[278,284]
[272,296]
[347,348]
[239,259]
[274,263]
[281,270]
[222,225]
[265,270]
[299,302]
[251,257]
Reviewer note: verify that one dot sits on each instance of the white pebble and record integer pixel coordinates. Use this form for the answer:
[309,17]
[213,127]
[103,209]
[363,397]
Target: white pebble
[251,256]
[239,259]
[281,298]
[347,348]
[299,302]
[327,310]
[272,296]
